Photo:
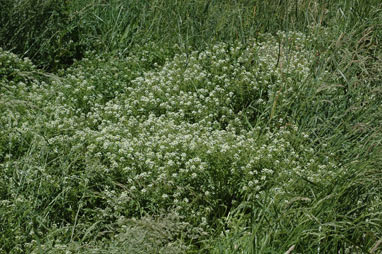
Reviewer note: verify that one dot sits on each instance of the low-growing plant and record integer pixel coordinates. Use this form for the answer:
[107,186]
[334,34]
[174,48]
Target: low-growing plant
[259,144]
[109,139]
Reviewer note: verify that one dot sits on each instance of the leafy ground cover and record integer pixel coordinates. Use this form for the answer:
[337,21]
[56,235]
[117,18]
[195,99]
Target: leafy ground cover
[263,136]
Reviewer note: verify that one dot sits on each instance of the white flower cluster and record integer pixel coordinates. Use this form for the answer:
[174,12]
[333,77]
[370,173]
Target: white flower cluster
[189,135]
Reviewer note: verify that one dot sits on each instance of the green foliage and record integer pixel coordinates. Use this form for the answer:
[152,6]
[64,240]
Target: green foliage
[55,33]
[344,216]
[13,69]
[186,127]
[42,30]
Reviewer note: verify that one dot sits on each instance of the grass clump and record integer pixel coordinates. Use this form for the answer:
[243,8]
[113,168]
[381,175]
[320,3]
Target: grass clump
[343,216]
[44,31]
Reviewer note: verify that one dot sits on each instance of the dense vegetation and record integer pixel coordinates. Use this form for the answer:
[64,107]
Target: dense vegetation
[203,126]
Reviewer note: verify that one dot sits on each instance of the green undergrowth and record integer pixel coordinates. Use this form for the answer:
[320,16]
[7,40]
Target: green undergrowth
[245,142]
[208,136]
[55,33]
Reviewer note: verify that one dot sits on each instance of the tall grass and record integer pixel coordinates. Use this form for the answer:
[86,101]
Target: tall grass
[198,126]
[54,33]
